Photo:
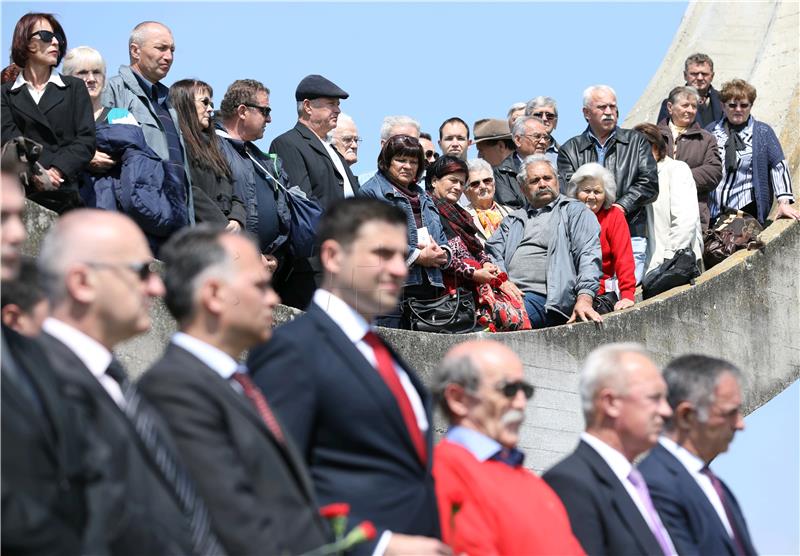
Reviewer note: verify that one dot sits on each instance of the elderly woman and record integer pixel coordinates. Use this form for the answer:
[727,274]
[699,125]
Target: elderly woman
[594,186]
[688,142]
[673,220]
[754,169]
[400,166]
[486,213]
[49,108]
[212,189]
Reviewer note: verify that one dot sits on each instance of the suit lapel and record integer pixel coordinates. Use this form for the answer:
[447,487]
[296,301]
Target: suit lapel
[53,96]
[740,524]
[23,102]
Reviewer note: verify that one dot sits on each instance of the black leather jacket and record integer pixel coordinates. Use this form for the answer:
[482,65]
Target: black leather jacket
[506,187]
[631,161]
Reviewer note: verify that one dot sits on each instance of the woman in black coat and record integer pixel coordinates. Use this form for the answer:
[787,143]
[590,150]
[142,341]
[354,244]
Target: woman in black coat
[52,109]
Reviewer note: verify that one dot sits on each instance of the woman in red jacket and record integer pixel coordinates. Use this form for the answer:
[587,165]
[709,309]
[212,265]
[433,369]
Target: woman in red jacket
[594,185]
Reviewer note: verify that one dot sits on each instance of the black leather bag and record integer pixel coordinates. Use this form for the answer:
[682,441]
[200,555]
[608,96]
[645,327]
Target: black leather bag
[604,304]
[452,313]
[679,270]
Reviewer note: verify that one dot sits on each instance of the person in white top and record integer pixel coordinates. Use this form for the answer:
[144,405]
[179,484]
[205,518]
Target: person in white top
[624,399]
[700,512]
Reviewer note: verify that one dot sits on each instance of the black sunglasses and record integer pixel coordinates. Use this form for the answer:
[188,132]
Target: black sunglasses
[265,110]
[142,270]
[544,115]
[46,36]
[433,154]
[510,389]
[206,102]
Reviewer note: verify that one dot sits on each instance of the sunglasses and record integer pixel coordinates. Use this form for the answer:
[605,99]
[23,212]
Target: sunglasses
[486,181]
[205,101]
[742,105]
[143,270]
[433,154]
[46,36]
[265,110]
[544,115]
[510,389]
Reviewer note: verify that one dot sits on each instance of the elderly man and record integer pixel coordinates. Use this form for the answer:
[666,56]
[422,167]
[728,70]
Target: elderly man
[488,502]
[530,137]
[516,110]
[546,109]
[698,71]
[344,138]
[454,137]
[138,88]
[391,126]
[358,413]
[625,152]
[624,400]
[493,140]
[699,511]
[258,491]
[101,279]
[550,250]
[486,212]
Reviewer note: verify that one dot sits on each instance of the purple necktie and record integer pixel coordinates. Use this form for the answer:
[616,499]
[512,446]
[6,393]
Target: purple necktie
[717,484]
[655,524]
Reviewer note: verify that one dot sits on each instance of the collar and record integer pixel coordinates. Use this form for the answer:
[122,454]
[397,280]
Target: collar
[534,212]
[478,444]
[55,79]
[222,363]
[690,461]
[592,136]
[92,353]
[352,324]
[147,87]
[615,460]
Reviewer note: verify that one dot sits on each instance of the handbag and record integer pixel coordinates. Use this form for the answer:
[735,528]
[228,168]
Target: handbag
[734,230]
[604,303]
[498,311]
[452,313]
[679,270]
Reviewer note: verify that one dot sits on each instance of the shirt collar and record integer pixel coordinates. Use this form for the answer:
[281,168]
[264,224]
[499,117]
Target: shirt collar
[618,463]
[478,444]
[92,353]
[55,79]
[688,459]
[597,141]
[222,363]
[147,87]
[352,324]
[532,212]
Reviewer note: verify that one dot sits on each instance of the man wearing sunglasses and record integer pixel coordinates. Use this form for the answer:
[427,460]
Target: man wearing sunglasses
[502,507]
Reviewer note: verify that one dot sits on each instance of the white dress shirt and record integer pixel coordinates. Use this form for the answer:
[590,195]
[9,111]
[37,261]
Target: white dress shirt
[693,465]
[348,187]
[621,467]
[92,354]
[55,79]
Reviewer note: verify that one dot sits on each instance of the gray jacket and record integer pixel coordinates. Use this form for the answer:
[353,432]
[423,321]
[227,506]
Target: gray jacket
[573,259]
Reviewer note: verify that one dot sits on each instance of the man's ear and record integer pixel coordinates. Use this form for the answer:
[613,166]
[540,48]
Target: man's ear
[134,51]
[457,400]
[211,297]
[685,416]
[585,113]
[330,255]
[11,314]
[609,402]
[81,283]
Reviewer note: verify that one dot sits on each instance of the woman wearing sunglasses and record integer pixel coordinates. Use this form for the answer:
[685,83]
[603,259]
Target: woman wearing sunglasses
[754,168]
[52,109]
[214,196]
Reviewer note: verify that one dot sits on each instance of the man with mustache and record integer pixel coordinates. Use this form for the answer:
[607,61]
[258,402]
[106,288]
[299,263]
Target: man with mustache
[625,153]
[488,502]
[345,139]
[700,512]
[550,250]
[624,400]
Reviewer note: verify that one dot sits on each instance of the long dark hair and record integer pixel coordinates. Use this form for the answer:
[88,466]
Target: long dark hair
[22,36]
[202,144]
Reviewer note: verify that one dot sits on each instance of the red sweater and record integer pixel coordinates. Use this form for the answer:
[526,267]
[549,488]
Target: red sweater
[502,509]
[615,241]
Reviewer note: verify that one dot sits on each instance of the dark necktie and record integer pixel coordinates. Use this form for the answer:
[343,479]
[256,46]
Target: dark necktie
[203,539]
[717,484]
[386,369]
[252,393]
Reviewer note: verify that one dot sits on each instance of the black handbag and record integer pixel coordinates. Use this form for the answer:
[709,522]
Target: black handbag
[453,313]
[604,303]
[679,270]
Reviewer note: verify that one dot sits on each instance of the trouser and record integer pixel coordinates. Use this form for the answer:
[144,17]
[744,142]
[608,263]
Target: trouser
[538,315]
[639,245]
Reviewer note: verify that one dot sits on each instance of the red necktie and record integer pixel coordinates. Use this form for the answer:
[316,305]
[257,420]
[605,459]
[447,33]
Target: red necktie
[389,375]
[253,394]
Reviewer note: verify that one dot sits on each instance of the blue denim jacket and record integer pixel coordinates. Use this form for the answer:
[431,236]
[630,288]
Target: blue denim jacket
[378,187]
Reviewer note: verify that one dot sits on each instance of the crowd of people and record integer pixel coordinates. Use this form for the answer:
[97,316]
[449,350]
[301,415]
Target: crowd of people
[209,454]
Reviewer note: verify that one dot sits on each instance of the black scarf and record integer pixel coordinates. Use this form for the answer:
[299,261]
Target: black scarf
[733,144]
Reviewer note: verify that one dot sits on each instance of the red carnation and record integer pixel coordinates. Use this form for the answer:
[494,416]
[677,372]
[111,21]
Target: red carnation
[338,509]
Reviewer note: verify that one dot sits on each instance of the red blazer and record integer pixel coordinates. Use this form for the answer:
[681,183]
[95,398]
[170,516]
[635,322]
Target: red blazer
[615,242]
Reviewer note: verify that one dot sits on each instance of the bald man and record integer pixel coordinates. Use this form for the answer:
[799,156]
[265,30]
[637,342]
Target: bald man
[502,507]
[101,281]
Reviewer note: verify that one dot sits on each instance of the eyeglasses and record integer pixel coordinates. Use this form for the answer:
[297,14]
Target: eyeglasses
[143,270]
[742,105]
[205,101]
[348,139]
[46,36]
[544,116]
[433,154]
[477,183]
[265,110]
[537,137]
[510,389]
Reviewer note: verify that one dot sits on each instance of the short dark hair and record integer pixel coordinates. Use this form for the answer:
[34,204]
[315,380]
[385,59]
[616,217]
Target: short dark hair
[697,59]
[401,145]
[25,290]
[454,119]
[241,91]
[186,255]
[424,135]
[509,144]
[344,218]
[22,36]
[654,137]
[443,166]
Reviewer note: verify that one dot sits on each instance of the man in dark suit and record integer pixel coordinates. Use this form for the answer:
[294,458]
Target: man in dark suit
[360,416]
[624,403]
[315,166]
[254,481]
[698,71]
[101,279]
[42,488]
[699,510]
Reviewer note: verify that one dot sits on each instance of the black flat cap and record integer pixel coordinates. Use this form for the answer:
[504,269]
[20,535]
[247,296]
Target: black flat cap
[315,86]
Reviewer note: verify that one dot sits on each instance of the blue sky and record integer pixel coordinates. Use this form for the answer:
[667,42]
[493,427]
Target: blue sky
[433,61]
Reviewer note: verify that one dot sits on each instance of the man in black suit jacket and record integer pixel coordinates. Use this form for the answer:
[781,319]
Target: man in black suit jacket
[699,510]
[255,483]
[360,416]
[315,166]
[698,71]
[100,280]
[624,403]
